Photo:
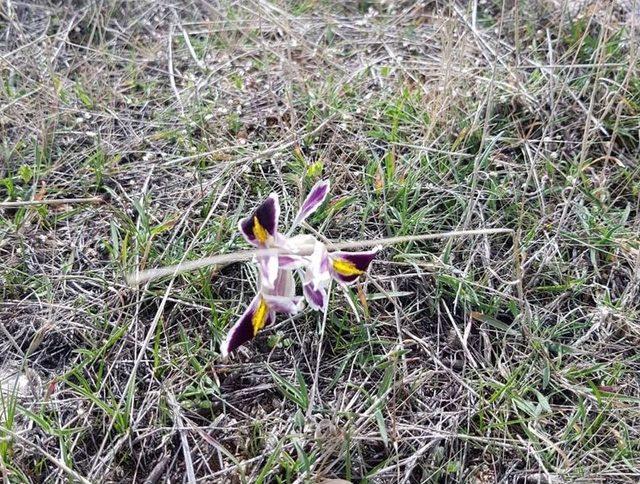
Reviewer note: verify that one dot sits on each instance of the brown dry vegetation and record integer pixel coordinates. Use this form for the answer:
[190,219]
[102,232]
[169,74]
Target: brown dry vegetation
[483,359]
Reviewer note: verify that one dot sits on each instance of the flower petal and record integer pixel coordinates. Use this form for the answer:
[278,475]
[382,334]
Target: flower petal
[268,267]
[346,267]
[314,199]
[298,243]
[318,271]
[282,304]
[261,226]
[316,298]
[284,285]
[254,318]
[291,261]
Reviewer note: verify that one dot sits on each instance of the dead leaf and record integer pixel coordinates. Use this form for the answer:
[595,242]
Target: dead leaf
[363,300]
[378,180]
[40,194]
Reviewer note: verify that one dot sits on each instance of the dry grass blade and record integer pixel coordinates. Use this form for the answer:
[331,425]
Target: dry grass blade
[54,201]
[151,274]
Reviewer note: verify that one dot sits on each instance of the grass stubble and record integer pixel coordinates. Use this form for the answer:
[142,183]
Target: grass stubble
[487,358]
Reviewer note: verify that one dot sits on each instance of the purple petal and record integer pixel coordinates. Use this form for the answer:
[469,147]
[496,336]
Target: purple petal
[281,304]
[262,225]
[254,318]
[346,267]
[314,199]
[316,298]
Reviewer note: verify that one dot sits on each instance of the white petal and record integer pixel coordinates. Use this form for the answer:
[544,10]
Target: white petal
[268,270]
[318,272]
[299,243]
[280,304]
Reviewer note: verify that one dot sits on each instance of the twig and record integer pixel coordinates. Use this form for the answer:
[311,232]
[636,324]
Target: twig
[186,449]
[158,470]
[172,79]
[192,51]
[50,201]
[148,275]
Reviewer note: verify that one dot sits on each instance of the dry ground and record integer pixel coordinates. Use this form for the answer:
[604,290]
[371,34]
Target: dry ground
[482,359]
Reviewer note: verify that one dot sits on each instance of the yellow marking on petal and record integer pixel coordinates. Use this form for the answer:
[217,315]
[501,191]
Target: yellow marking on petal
[259,317]
[345,268]
[259,231]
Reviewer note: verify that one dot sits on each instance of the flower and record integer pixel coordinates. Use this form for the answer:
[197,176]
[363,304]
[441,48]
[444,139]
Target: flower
[277,286]
[261,230]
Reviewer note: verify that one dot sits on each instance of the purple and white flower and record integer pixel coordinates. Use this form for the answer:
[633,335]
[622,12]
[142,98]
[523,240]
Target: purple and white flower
[277,286]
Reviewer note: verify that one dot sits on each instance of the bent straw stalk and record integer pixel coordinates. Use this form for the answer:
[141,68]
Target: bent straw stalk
[137,278]
[50,201]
